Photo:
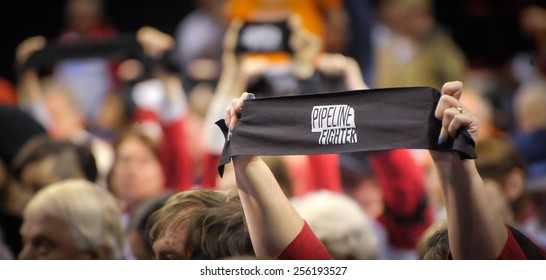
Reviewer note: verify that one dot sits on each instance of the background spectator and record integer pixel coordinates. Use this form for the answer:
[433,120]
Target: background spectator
[73,219]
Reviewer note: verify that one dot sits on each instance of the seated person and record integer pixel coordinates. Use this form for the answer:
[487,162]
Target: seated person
[434,245]
[137,233]
[340,224]
[200,225]
[72,220]
[43,161]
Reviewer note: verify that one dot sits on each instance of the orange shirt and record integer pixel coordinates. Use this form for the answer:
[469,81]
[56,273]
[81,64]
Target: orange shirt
[312,11]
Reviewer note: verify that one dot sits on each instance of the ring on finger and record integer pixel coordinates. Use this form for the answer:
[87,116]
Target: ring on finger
[460,109]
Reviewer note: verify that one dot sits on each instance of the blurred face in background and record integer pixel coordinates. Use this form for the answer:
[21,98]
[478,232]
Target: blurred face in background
[369,196]
[391,12]
[137,173]
[39,174]
[83,15]
[530,113]
[418,24]
[412,18]
[498,200]
[48,238]
[65,120]
[215,7]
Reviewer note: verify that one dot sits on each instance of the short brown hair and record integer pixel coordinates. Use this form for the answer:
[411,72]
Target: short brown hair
[144,135]
[139,133]
[216,226]
[71,160]
[496,158]
[434,244]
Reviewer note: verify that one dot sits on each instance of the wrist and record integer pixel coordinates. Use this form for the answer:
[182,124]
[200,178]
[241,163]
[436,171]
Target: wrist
[242,161]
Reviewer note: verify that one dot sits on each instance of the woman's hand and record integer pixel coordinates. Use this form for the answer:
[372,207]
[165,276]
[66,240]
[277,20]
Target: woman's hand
[154,42]
[29,46]
[234,111]
[272,221]
[454,116]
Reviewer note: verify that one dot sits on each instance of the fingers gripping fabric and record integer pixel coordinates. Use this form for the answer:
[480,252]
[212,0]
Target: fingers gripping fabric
[340,122]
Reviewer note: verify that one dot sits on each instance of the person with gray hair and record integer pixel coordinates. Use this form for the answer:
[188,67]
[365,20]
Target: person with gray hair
[72,219]
[340,224]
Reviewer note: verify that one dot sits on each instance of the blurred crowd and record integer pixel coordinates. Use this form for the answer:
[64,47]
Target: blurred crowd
[108,147]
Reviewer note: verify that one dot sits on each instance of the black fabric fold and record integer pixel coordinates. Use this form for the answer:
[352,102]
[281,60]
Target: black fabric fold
[119,47]
[341,122]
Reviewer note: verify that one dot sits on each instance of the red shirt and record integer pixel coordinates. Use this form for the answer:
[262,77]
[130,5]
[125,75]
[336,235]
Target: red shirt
[511,250]
[407,212]
[306,246]
[174,153]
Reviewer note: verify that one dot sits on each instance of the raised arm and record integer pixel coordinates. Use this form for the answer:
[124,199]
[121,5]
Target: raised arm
[29,87]
[272,221]
[476,230]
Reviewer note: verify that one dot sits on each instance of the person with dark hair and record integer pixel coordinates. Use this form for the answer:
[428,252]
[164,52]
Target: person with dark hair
[138,232]
[476,230]
[87,162]
[43,161]
[137,173]
[17,128]
[141,169]
[200,225]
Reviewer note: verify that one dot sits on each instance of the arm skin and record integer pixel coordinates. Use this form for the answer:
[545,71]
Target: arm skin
[272,220]
[476,230]
[29,87]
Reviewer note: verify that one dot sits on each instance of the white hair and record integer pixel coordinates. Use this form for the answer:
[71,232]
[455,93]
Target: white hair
[340,223]
[90,212]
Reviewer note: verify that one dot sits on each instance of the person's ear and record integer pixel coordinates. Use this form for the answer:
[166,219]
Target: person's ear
[514,184]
